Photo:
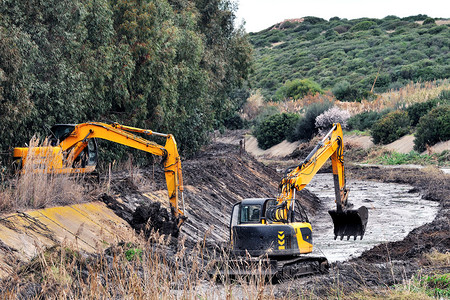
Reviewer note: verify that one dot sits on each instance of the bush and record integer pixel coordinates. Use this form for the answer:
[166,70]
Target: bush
[345,92]
[364,120]
[433,127]
[264,114]
[305,128]
[429,21]
[274,129]
[298,88]
[417,110]
[325,121]
[364,25]
[391,127]
[234,122]
[444,95]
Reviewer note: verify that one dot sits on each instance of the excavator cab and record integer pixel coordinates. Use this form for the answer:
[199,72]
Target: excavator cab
[88,157]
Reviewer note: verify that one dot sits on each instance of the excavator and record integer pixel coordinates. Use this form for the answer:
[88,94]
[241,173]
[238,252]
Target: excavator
[73,150]
[275,232]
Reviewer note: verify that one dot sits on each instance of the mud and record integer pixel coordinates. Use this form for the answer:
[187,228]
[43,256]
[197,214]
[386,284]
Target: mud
[385,201]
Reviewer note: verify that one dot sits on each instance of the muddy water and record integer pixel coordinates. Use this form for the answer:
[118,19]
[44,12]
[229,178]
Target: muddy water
[393,212]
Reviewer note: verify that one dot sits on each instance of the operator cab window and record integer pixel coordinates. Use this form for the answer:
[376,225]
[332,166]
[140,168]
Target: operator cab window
[250,213]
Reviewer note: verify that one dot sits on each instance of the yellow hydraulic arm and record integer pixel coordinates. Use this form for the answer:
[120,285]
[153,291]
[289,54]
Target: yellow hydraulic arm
[331,146]
[346,222]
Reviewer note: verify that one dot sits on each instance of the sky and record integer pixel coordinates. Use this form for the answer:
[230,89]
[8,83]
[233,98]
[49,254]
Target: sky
[260,14]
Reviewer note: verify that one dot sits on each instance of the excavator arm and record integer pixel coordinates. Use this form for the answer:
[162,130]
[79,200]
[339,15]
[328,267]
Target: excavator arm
[346,222]
[74,143]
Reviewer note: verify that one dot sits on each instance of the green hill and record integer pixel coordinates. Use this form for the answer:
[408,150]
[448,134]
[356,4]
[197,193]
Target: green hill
[346,56]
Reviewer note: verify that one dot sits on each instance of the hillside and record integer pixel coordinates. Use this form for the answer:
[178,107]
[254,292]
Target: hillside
[345,56]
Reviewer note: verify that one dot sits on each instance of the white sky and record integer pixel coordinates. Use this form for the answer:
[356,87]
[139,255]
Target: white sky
[260,14]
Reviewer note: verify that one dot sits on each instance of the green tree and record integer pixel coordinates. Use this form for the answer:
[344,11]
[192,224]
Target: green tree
[274,129]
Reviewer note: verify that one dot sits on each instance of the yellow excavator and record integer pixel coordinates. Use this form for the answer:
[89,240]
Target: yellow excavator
[73,149]
[276,233]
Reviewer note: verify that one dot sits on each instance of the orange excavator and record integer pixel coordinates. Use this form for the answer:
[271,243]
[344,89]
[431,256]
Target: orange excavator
[73,150]
[276,233]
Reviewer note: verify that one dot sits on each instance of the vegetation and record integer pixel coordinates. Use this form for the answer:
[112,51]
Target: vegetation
[325,121]
[306,128]
[297,88]
[274,129]
[433,127]
[418,110]
[391,127]
[169,65]
[364,120]
[413,157]
[350,57]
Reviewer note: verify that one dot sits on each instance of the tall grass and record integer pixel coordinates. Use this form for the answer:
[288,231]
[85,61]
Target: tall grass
[399,98]
[393,99]
[36,185]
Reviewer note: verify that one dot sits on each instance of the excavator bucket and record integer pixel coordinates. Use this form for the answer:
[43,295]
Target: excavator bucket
[350,222]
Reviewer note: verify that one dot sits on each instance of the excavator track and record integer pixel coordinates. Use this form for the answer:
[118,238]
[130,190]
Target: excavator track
[273,268]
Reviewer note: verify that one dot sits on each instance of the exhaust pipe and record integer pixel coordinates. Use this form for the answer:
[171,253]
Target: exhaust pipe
[349,222]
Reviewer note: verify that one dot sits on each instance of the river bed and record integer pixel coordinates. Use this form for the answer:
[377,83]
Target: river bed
[394,210]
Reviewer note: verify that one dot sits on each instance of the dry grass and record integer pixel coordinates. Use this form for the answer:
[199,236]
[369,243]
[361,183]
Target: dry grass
[253,106]
[142,270]
[437,259]
[389,294]
[37,186]
[393,99]
[297,106]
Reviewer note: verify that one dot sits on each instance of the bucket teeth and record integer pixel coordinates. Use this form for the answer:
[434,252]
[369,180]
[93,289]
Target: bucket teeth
[350,222]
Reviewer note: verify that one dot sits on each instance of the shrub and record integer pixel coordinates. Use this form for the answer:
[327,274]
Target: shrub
[391,127]
[433,127]
[429,21]
[417,110]
[298,88]
[334,115]
[364,25]
[234,122]
[364,120]
[264,113]
[341,29]
[345,92]
[274,129]
[305,128]
[444,95]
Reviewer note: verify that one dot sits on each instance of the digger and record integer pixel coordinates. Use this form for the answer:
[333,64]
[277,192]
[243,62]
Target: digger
[73,150]
[275,232]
